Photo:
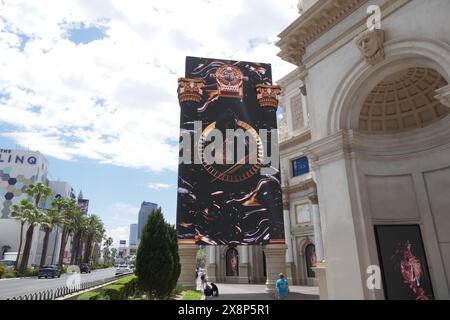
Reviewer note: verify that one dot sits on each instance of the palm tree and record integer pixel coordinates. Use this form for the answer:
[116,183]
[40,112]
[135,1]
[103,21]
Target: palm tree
[20,213]
[106,251]
[69,209]
[106,254]
[51,218]
[113,255]
[97,240]
[58,205]
[78,227]
[93,225]
[109,241]
[33,217]
[39,192]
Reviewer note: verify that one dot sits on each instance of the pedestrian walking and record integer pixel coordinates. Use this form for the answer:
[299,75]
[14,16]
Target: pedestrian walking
[282,286]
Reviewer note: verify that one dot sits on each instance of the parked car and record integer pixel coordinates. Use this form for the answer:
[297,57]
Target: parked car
[9,264]
[84,267]
[49,271]
[123,268]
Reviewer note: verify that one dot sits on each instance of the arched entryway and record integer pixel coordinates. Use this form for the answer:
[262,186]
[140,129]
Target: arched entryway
[400,168]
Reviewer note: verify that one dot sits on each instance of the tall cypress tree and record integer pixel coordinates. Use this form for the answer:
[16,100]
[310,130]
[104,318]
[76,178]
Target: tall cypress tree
[157,261]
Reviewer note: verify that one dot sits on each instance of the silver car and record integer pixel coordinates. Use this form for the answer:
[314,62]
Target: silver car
[122,269]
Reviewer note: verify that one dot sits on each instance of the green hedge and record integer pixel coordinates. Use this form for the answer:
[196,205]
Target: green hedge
[119,290]
[90,295]
[130,285]
[10,273]
[30,272]
[101,266]
[114,291]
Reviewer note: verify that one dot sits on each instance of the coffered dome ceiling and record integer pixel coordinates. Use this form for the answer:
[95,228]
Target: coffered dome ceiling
[403,101]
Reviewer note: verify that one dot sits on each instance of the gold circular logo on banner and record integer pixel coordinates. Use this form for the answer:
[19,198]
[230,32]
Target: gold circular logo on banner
[241,169]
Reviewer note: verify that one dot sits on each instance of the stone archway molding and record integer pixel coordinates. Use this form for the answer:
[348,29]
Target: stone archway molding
[363,77]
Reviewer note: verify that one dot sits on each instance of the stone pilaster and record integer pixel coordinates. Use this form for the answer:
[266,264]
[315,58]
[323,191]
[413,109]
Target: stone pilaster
[244,267]
[318,242]
[188,261]
[276,264]
[211,266]
[321,276]
[290,272]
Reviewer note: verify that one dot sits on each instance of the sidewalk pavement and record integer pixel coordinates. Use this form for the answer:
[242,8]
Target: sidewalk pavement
[257,292]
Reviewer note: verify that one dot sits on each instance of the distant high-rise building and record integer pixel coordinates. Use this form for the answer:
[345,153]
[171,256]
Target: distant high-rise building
[83,203]
[133,234]
[144,212]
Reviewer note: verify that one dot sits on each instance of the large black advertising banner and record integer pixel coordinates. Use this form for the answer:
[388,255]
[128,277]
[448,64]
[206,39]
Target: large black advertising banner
[228,179]
[403,262]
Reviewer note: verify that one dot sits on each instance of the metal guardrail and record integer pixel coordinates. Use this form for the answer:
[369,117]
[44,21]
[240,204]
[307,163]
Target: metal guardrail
[52,294]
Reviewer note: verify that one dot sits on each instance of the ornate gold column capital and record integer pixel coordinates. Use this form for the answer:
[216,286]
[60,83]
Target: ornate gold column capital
[267,95]
[190,90]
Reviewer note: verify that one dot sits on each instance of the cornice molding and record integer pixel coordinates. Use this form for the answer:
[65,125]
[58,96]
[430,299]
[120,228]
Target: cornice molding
[295,141]
[348,144]
[330,148]
[350,34]
[316,21]
[298,187]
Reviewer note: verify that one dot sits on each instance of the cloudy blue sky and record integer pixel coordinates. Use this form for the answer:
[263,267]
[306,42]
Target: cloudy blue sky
[92,85]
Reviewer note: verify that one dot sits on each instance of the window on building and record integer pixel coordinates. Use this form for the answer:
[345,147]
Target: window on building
[300,166]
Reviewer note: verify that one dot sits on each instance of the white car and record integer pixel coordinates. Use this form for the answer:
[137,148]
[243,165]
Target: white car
[123,268]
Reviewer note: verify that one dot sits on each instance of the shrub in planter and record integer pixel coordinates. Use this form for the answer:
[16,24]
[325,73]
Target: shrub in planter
[2,270]
[113,291]
[10,273]
[129,283]
[31,272]
[91,295]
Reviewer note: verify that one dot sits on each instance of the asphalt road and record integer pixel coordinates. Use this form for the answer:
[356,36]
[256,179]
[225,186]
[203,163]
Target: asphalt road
[17,287]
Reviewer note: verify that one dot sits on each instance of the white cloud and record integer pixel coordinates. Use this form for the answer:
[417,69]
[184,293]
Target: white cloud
[119,217]
[119,233]
[159,186]
[54,86]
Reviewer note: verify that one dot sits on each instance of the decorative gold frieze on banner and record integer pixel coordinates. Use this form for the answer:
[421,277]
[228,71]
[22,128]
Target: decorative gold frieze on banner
[190,90]
[230,81]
